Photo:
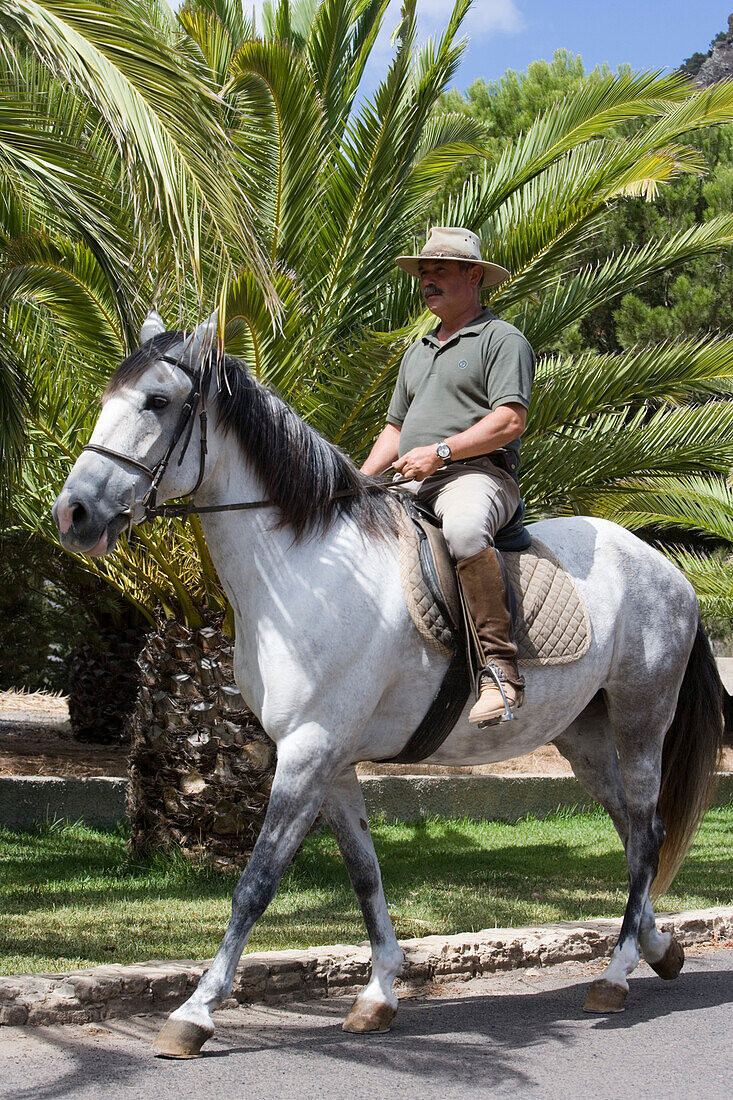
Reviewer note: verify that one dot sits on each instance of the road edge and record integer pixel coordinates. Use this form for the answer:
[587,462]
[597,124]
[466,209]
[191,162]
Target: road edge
[104,992]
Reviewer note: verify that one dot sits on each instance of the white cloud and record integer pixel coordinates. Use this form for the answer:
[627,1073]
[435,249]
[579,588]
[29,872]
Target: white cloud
[485,17]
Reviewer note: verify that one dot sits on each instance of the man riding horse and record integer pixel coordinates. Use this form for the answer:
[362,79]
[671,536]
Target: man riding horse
[453,428]
[643,737]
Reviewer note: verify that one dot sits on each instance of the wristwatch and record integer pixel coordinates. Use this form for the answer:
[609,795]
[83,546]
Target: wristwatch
[443,452]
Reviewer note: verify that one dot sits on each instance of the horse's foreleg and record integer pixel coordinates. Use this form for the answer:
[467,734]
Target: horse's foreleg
[301,779]
[376,1005]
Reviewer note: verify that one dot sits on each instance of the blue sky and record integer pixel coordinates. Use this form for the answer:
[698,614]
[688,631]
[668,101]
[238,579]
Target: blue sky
[648,34]
[509,34]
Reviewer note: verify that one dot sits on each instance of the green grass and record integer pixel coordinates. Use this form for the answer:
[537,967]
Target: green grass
[71,897]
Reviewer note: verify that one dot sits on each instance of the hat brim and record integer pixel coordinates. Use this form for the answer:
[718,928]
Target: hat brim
[493,273]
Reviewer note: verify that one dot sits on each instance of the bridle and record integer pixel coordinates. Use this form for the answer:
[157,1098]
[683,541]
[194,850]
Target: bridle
[184,427]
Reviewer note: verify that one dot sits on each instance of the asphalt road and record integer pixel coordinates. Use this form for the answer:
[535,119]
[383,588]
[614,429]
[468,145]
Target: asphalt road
[519,1034]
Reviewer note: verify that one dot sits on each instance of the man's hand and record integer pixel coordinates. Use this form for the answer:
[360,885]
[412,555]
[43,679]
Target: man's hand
[419,463]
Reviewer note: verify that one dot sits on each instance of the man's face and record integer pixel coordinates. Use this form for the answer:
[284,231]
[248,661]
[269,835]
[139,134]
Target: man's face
[449,288]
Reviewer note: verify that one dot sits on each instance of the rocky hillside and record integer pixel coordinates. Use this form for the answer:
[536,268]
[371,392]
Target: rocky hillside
[717,64]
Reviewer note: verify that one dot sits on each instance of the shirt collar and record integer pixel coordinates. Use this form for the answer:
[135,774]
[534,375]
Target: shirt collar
[472,328]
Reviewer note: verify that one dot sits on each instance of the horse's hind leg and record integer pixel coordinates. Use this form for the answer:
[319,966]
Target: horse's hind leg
[660,949]
[640,720]
[376,1005]
[590,746]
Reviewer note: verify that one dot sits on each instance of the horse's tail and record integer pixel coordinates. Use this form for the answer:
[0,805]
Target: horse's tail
[690,758]
[728,715]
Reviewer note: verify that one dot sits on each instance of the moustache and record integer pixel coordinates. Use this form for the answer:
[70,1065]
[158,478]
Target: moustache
[431,288]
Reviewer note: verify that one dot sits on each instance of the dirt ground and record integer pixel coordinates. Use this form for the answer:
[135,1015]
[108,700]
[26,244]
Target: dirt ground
[36,739]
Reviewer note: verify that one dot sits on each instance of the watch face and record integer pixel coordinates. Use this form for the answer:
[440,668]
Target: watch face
[443,450]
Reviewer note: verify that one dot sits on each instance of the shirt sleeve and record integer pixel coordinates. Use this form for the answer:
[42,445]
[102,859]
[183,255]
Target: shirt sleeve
[400,402]
[510,371]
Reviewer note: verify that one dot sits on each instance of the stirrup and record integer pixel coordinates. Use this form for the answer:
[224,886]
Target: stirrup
[507,716]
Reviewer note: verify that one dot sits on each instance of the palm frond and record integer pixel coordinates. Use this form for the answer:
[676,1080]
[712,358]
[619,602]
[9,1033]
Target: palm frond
[271,352]
[568,389]
[46,154]
[566,469]
[339,39]
[576,295]
[64,279]
[587,112]
[365,195]
[276,91]
[703,505]
[447,139]
[538,233]
[162,115]
[711,575]
[13,394]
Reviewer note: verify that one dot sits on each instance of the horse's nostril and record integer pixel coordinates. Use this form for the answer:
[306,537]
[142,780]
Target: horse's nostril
[79,515]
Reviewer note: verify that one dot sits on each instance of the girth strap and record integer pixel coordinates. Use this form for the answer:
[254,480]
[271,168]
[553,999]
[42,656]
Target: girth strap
[442,715]
[455,689]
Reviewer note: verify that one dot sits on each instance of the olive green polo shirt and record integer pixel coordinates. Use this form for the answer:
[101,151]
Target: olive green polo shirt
[443,390]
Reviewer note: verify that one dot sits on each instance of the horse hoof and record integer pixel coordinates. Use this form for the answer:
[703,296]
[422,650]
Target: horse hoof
[180,1039]
[671,962]
[369,1017]
[605,996]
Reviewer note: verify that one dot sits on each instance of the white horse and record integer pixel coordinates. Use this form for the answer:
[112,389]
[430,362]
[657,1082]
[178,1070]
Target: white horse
[328,658]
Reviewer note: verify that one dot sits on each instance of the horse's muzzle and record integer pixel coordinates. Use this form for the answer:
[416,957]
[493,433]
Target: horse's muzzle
[85,525]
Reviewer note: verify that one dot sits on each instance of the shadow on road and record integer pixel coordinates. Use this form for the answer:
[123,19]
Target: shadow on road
[472,1042]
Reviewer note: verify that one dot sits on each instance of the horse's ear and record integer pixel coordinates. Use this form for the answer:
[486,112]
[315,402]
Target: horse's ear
[153,325]
[203,337]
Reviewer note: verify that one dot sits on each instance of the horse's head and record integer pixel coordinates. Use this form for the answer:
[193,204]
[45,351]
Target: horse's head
[141,436]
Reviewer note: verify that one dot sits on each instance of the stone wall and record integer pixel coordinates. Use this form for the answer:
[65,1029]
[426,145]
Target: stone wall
[85,996]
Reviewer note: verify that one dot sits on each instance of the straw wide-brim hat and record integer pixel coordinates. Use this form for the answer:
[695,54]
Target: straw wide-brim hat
[454,243]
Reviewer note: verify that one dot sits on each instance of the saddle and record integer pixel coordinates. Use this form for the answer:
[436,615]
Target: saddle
[550,619]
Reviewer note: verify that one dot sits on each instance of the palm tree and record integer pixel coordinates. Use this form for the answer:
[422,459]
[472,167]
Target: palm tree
[339,185]
[119,179]
[170,567]
[129,158]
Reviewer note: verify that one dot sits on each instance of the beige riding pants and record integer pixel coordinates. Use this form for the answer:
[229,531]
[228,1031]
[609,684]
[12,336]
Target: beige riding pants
[474,500]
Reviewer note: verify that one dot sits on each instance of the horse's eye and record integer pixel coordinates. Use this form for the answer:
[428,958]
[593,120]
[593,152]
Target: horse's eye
[156,402]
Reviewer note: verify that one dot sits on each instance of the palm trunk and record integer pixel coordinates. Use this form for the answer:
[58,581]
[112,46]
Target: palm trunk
[103,682]
[201,765]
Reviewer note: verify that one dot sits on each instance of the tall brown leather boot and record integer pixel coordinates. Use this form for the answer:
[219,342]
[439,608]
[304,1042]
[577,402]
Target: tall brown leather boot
[484,586]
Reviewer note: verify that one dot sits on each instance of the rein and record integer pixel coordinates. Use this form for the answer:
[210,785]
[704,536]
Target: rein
[180,510]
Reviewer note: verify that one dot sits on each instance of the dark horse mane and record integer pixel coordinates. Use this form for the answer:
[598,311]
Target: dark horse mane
[299,470]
